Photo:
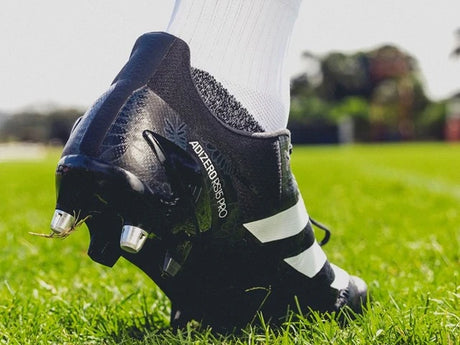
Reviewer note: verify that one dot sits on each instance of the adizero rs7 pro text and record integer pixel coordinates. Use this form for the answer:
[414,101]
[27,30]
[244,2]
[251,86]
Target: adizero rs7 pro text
[211,213]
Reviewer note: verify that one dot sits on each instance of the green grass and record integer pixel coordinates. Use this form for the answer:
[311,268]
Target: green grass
[394,211]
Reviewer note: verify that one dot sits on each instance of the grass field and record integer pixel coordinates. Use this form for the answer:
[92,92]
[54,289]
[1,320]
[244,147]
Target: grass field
[394,210]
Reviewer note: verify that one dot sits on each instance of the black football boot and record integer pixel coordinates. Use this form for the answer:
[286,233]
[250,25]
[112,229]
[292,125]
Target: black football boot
[171,173]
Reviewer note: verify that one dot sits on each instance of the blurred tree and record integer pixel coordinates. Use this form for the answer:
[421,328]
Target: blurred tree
[25,126]
[385,79]
[431,123]
[60,122]
[397,93]
[344,75]
[357,109]
[35,126]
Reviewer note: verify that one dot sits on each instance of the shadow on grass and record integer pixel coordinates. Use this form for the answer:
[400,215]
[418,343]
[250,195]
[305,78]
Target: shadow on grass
[135,330]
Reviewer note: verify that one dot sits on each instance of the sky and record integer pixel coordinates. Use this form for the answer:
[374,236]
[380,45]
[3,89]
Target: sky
[66,53]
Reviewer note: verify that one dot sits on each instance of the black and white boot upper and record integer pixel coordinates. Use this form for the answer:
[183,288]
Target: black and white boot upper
[206,207]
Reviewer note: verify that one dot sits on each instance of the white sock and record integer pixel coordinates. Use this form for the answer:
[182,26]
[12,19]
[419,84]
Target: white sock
[243,44]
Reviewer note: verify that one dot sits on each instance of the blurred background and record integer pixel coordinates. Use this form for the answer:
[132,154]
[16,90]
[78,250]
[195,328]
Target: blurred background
[362,71]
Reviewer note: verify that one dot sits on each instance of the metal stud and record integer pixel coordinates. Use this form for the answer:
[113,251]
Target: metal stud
[132,238]
[62,221]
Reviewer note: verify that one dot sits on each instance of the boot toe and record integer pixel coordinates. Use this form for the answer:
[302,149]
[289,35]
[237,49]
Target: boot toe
[354,297]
